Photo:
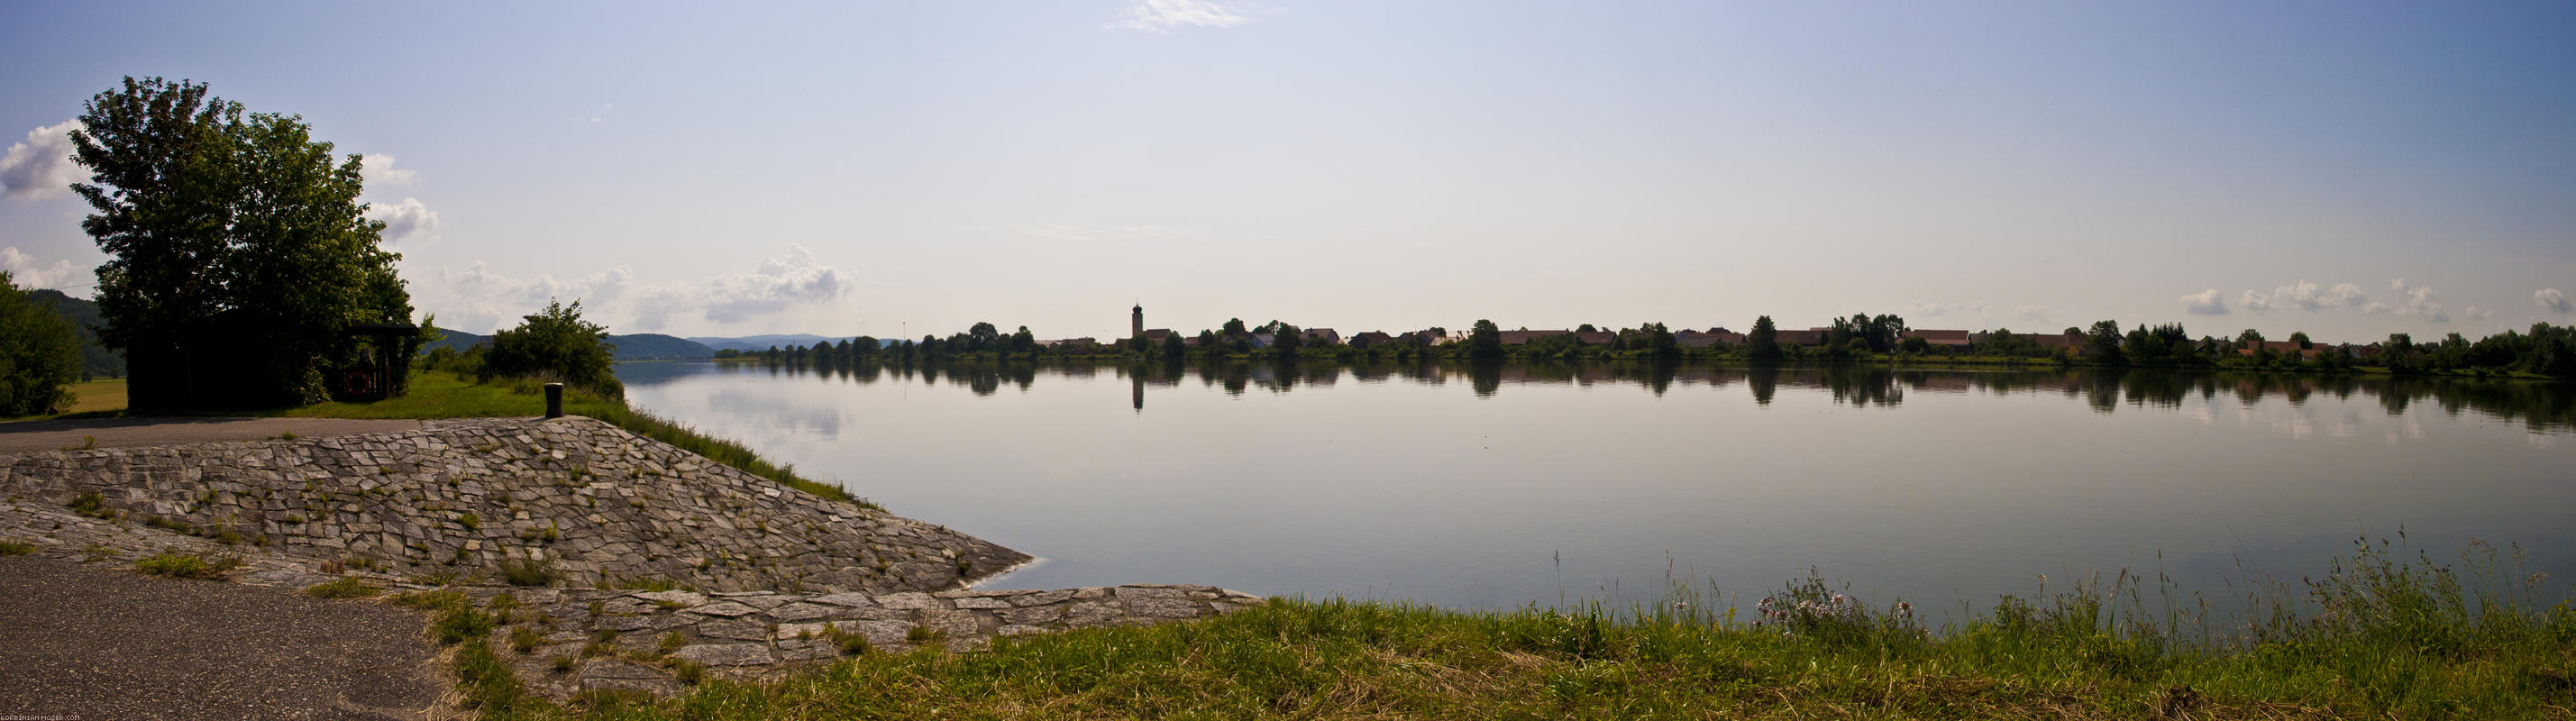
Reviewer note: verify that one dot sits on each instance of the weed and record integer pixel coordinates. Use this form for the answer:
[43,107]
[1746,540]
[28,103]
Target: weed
[672,642]
[563,664]
[688,672]
[16,548]
[524,640]
[923,634]
[440,577]
[459,622]
[92,505]
[88,443]
[527,572]
[469,521]
[180,565]
[851,643]
[342,587]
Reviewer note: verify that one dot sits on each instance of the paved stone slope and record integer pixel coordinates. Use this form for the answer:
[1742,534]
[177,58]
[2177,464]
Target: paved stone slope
[583,498]
[576,640]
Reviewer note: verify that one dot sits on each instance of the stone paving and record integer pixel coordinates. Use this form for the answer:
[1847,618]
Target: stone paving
[577,497]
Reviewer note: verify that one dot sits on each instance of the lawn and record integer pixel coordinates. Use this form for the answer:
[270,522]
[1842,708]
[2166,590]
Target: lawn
[89,399]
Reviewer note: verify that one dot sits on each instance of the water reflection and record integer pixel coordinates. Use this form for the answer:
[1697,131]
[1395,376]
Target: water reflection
[2542,406]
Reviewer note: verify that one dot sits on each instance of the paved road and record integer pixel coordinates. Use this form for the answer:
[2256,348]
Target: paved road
[23,436]
[109,644]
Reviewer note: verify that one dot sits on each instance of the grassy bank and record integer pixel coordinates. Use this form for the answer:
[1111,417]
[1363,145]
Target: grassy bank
[2374,639]
[89,399]
[441,394]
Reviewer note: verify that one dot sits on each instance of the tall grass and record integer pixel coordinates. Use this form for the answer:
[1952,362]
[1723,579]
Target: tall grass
[2378,637]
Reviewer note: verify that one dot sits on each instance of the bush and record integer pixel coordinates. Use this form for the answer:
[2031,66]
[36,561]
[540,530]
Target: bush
[555,343]
[39,355]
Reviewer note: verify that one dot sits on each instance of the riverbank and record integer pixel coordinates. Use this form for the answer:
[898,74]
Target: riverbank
[2385,639]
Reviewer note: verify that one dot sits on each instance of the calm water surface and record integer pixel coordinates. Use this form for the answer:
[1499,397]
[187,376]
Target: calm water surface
[1499,486]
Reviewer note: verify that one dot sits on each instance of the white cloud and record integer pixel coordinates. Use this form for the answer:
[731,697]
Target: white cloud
[2305,296]
[479,300]
[1929,309]
[405,219]
[2551,300]
[2207,302]
[42,167]
[2421,303]
[378,170]
[2254,302]
[777,284]
[2477,313]
[26,273]
[1161,16]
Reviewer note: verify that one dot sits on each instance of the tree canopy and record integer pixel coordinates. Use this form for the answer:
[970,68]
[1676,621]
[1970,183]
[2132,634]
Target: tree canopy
[238,251]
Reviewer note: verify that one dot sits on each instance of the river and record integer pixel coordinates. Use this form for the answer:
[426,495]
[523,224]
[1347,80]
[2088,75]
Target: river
[1497,486]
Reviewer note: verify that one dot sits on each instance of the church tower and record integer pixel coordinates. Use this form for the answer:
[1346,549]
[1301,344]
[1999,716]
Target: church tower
[1137,321]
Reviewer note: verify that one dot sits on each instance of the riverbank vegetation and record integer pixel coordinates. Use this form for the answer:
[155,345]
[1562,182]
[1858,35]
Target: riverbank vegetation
[2546,351]
[2379,635]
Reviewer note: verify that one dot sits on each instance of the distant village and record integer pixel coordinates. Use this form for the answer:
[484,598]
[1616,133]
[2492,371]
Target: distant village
[2071,340]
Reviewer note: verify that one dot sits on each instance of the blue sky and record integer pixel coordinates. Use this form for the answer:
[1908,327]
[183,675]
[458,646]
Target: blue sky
[2346,168]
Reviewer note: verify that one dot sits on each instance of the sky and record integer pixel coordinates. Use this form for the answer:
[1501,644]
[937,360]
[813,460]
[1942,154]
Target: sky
[2348,169]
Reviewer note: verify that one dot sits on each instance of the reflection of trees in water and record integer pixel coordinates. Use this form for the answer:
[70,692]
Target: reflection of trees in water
[2542,405]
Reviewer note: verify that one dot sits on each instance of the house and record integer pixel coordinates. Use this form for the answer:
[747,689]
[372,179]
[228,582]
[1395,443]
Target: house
[1694,338]
[1523,337]
[1596,337]
[1799,337]
[1370,338]
[1260,340]
[2285,347]
[1157,335]
[1320,335]
[1941,338]
[1071,343]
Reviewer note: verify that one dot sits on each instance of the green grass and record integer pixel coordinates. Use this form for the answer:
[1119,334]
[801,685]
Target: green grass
[90,399]
[16,548]
[440,394]
[2376,638]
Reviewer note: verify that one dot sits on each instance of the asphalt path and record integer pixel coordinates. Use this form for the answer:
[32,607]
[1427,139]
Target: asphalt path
[54,435]
[98,643]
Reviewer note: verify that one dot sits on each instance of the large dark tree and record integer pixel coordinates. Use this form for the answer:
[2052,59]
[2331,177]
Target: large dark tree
[238,251]
[1763,344]
[1485,340]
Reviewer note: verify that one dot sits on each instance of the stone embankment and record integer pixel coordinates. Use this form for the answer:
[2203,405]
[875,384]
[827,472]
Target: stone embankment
[563,642]
[575,498]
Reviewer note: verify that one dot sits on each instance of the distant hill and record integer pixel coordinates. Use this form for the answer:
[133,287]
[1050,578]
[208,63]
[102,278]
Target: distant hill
[655,346]
[456,340]
[640,346]
[96,360]
[764,342]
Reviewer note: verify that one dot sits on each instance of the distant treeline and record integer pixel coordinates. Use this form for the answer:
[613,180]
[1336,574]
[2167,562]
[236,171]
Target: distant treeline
[2546,350]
